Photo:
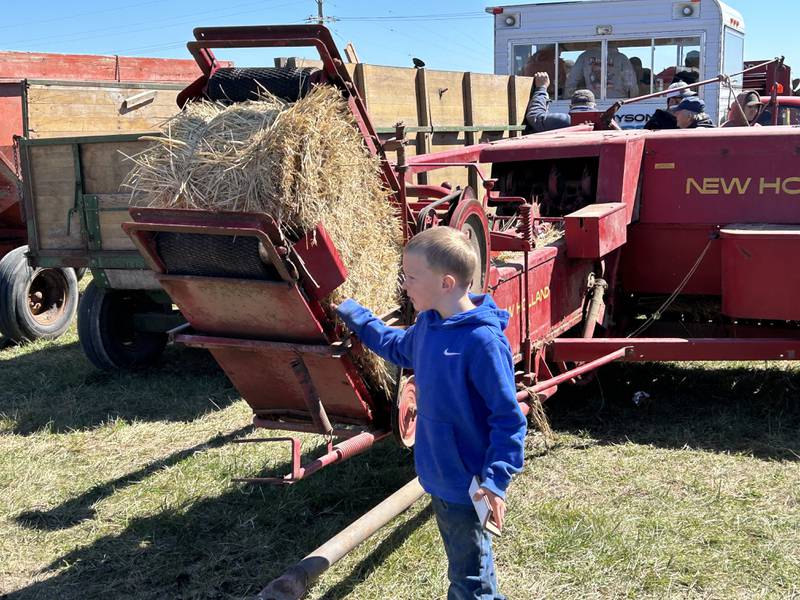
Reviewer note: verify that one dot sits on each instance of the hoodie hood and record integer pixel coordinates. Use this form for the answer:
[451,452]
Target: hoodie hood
[485,312]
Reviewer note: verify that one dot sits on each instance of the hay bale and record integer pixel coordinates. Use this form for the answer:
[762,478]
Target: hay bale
[302,163]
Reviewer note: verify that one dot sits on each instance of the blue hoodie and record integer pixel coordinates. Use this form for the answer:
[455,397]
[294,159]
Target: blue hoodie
[468,419]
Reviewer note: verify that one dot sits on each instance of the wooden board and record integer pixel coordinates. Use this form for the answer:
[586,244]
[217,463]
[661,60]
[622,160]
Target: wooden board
[106,165]
[522,93]
[445,97]
[60,110]
[113,213]
[104,168]
[390,94]
[53,185]
[487,102]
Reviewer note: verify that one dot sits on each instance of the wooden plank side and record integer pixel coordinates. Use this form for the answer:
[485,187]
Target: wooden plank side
[445,95]
[83,110]
[113,213]
[489,99]
[53,186]
[490,105]
[522,91]
[390,95]
[106,164]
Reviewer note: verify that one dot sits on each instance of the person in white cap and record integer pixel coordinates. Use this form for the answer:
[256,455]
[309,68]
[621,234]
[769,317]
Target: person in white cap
[678,91]
[665,119]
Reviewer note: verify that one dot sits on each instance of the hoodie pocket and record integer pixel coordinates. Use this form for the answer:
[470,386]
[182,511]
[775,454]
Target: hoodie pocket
[437,455]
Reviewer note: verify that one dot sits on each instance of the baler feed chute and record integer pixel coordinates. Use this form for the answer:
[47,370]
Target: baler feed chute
[253,300]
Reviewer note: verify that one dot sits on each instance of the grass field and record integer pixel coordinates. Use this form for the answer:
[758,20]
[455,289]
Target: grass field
[119,486]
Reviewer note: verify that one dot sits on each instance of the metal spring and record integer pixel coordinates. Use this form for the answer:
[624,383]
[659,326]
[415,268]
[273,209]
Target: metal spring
[525,226]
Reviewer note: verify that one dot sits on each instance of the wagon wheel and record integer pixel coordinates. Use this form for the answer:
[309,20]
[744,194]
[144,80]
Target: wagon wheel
[404,412]
[108,332]
[470,218]
[35,303]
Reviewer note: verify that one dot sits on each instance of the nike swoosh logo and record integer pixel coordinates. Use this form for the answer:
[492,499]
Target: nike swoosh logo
[448,353]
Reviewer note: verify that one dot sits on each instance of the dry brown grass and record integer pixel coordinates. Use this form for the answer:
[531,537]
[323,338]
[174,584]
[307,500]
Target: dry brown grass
[545,235]
[302,163]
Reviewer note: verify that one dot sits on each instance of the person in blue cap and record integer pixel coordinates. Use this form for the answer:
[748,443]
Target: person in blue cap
[665,119]
[691,113]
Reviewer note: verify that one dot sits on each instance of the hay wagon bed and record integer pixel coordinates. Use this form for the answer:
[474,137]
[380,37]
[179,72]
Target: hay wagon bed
[673,234]
[45,96]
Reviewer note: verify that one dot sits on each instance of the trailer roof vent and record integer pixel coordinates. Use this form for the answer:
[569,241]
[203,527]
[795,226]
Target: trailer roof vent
[511,20]
[686,10]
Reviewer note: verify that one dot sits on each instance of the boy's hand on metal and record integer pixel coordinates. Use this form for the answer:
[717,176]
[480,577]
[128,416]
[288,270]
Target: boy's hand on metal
[541,80]
[496,503]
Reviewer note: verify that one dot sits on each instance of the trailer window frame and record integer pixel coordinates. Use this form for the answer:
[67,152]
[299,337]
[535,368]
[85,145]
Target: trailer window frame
[727,34]
[652,36]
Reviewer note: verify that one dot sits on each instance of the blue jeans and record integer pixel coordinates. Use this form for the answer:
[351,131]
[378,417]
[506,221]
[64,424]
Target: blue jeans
[469,552]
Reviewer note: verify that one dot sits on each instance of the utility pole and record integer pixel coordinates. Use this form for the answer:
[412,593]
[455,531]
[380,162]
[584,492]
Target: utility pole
[320,19]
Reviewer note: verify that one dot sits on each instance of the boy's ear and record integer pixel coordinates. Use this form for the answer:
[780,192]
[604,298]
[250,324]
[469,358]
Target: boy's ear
[448,282]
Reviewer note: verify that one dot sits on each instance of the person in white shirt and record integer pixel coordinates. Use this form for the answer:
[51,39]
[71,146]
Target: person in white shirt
[621,79]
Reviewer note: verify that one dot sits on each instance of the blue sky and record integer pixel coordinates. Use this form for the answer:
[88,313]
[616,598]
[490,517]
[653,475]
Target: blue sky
[446,34]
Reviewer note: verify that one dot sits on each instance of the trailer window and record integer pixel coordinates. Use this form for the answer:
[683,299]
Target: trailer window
[583,65]
[640,56]
[733,55]
[676,60]
[538,58]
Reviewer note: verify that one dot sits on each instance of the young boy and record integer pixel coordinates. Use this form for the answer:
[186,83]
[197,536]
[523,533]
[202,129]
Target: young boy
[468,420]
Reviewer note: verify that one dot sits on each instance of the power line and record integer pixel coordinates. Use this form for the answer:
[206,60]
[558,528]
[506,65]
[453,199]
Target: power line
[81,15]
[182,43]
[426,17]
[126,28]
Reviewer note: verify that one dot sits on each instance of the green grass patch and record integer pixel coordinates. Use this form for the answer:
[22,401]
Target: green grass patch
[119,485]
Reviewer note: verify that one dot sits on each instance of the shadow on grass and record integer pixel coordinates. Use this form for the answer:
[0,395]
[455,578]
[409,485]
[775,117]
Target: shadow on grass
[57,389]
[232,545]
[749,409]
[79,509]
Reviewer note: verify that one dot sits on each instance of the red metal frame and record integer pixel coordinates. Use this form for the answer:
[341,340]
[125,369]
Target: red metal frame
[676,349]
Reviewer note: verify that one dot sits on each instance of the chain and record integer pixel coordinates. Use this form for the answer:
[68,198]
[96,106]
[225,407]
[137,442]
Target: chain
[17,172]
[657,315]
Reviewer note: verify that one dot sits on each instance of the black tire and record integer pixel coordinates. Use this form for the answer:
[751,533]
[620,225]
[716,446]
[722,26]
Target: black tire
[35,303]
[107,333]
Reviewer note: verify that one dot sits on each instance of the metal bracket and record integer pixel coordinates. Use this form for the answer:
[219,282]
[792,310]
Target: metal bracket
[294,475]
[91,220]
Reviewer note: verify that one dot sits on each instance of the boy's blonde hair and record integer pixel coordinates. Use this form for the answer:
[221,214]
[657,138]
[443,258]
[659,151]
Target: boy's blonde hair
[447,251]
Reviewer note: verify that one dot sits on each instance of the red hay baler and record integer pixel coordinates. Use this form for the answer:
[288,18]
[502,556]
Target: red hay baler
[677,246]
